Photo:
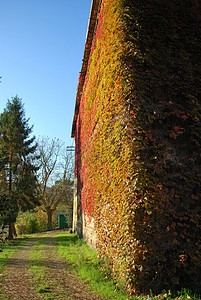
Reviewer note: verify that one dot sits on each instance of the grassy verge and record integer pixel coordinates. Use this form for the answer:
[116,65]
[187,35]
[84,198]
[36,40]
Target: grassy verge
[84,261]
[88,268]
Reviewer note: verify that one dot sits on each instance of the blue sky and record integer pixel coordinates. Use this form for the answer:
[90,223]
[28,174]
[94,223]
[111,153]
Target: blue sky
[41,51]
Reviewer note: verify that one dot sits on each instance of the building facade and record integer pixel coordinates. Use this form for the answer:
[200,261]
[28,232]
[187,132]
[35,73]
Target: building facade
[138,137]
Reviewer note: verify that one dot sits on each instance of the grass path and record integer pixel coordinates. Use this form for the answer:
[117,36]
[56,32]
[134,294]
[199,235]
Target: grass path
[58,265]
[36,271]
[15,281]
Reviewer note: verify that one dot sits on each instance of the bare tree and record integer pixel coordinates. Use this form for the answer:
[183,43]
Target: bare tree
[56,171]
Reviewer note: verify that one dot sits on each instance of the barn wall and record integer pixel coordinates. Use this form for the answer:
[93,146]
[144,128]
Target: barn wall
[138,140]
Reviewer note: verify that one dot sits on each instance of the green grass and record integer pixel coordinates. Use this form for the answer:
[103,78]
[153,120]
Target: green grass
[88,268]
[37,269]
[35,256]
[8,248]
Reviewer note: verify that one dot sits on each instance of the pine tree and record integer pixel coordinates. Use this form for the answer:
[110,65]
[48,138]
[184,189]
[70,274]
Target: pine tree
[17,155]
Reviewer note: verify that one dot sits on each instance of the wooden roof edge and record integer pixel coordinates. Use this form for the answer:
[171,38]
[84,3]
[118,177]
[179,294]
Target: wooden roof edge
[89,39]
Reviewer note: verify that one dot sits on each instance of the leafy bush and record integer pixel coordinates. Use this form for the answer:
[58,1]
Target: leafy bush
[31,222]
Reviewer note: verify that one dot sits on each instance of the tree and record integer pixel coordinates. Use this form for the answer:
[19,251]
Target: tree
[17,157]
[7,209]
[56,171]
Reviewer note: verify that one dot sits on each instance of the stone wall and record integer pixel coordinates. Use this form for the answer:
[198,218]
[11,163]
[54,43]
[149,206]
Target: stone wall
[89,234]
[81,224]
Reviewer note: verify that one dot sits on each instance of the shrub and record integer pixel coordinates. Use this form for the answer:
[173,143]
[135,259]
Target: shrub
[31,222]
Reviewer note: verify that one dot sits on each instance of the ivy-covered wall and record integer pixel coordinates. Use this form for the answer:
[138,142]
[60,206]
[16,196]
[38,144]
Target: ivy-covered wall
[138,140]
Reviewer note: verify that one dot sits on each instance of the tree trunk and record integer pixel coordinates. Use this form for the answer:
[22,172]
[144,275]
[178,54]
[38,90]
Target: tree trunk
[10,173]
[49,218]
[12,231]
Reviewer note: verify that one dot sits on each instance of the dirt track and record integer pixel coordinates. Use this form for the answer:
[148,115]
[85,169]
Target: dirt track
[17,281]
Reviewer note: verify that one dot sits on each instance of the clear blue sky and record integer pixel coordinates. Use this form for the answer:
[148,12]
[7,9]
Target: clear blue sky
[41,51]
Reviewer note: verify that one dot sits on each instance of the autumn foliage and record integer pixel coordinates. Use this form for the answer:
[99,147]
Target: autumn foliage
[138,140]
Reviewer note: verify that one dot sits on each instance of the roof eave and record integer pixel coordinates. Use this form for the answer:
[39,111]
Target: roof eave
[89,39]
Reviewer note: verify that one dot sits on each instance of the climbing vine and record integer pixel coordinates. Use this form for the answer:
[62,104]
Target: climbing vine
[138,141]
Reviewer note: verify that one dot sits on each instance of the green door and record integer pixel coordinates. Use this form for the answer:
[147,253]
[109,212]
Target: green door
[62,221]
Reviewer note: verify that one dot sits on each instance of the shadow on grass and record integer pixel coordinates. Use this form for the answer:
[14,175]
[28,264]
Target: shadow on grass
[26,244]
[21,263]
[70,238]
